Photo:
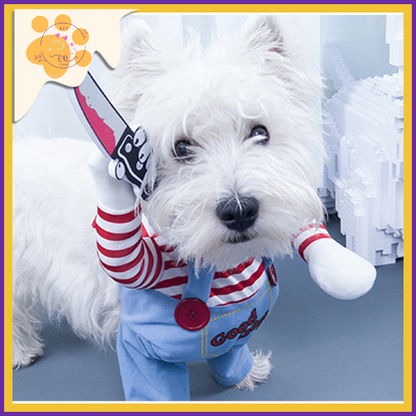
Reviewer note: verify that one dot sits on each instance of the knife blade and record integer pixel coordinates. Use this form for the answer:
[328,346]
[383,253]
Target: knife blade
[129,151]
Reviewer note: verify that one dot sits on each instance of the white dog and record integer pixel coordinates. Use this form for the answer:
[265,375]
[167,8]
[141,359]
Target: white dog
[237,157]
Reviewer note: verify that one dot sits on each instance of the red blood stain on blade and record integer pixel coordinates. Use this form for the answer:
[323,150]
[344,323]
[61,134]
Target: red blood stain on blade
[102,130]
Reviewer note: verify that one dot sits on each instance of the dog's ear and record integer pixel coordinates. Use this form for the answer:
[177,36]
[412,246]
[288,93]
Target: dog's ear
[264,34]
[142,59]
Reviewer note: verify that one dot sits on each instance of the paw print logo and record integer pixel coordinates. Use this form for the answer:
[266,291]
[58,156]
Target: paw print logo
[61,46]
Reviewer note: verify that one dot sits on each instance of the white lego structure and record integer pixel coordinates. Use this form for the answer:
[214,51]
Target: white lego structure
[364,173]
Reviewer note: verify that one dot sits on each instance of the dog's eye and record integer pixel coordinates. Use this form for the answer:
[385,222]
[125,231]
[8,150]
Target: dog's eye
[260,133]
[183,150]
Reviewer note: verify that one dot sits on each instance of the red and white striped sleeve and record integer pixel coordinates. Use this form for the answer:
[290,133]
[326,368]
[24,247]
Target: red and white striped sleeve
[125,255]
[308,235]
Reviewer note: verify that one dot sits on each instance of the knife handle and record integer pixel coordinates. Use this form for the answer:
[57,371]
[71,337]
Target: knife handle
[130,158]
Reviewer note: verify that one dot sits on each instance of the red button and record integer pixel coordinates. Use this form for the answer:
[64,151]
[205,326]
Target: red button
[192,314]
[272,275]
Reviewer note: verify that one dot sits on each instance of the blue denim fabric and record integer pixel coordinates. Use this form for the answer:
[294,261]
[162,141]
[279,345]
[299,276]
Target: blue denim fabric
[153,350]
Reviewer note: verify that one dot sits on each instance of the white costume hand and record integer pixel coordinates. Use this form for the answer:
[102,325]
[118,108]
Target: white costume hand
[112,193]
[337,270]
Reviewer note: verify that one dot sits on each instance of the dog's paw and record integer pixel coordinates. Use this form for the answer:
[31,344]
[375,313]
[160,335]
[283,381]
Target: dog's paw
[21,360]
[258,373]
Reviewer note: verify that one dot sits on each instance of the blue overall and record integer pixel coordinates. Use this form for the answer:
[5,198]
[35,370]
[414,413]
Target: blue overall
[153,349]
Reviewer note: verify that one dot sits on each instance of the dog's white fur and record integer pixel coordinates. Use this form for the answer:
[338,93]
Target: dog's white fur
[212,98]
[54,253]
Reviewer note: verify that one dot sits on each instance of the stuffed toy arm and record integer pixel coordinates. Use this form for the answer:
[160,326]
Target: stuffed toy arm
[113,194]
[125,254]
[335,269]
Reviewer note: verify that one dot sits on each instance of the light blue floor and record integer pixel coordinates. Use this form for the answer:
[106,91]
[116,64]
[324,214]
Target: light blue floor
[323,350]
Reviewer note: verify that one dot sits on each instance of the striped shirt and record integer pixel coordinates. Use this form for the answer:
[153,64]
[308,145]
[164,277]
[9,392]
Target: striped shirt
[306,236]
[133,255]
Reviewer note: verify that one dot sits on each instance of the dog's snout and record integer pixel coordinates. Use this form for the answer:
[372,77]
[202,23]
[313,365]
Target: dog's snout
[238,213]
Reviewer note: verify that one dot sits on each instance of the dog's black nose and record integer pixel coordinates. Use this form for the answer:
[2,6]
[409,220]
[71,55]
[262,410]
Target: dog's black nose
[238,213]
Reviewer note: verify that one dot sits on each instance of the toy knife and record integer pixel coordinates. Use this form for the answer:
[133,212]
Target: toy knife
[129,151]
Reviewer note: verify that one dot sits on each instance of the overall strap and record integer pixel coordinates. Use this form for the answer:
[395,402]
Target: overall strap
[192,312]
[267,261]
[199,282]
[270,270]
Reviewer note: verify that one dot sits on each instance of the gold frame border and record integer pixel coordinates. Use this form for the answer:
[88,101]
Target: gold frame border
[406,406]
